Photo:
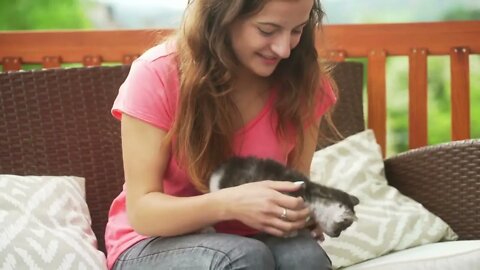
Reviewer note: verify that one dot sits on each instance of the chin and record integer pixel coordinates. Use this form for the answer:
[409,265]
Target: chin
[263,72]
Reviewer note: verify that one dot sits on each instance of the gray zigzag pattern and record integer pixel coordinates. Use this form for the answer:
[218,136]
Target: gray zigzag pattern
[387,220]
[45,224]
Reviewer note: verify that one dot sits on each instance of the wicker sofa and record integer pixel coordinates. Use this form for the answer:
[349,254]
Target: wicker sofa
[58,122]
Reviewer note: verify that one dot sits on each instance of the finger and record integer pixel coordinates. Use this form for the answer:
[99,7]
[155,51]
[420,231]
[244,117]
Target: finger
[283,199]
[289,202]
[286,227]
[273,231]
[282,186]
[290,214]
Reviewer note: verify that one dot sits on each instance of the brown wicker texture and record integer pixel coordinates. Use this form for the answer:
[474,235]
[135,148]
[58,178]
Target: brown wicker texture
[445,178]
[57,122]
[348,113]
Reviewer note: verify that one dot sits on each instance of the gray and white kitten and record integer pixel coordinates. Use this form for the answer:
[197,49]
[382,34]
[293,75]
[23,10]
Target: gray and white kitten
[331,208]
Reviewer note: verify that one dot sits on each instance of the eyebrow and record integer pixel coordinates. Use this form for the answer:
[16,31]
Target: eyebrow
[279,26]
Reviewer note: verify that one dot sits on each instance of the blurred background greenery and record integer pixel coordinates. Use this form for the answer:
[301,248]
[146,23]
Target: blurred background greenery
[43,14]
[104,14]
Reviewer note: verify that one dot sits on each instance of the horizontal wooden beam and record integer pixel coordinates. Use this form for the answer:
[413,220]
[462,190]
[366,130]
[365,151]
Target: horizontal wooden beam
[399,39]
[75,45]
[352,40]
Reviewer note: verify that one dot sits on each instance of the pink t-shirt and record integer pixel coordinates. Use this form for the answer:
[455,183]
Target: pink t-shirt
[150,93]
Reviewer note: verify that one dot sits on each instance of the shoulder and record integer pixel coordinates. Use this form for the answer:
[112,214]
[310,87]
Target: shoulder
[150,90]
[158,62]
[163,52]
[325,97]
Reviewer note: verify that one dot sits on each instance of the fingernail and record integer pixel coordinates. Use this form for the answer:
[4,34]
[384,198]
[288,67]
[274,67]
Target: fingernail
[300,183]
[314,234]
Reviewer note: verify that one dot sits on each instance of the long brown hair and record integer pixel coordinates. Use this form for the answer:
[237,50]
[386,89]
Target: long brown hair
[204,126]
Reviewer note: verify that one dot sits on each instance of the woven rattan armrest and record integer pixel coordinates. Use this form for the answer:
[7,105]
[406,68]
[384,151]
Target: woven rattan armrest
[445,178]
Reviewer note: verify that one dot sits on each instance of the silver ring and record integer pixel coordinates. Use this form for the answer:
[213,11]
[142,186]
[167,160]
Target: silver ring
[284,215]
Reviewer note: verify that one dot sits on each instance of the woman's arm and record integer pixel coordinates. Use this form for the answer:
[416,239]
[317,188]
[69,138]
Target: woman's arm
[303,161]
[151,212]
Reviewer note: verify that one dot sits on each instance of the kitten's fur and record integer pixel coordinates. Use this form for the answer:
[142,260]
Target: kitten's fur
[333,209]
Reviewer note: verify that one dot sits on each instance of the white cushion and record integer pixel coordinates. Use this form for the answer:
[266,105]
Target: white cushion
[45,224]
[387,220]
[464,255]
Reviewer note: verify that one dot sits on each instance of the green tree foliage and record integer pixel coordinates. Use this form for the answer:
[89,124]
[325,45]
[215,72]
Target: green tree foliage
[439,101]
[42,14]
[397,104]
[439,105]
[475,95]
[461,13]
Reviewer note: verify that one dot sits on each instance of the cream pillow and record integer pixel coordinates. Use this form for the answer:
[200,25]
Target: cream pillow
[451,255]
[45,224]
[387,220]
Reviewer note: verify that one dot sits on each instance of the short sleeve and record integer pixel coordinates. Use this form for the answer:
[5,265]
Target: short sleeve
[325,99]
[146,94]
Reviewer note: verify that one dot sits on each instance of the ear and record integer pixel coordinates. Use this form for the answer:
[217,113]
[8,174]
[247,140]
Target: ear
[354,200]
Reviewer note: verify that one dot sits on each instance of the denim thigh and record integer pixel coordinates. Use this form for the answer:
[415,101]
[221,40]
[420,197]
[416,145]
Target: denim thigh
[299,252]
[199,252]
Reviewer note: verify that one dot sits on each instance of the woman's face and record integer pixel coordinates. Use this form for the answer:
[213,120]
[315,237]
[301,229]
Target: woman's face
[262,40]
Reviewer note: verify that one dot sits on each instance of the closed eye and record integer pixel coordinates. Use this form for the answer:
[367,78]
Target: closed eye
[297,31]
[265,33]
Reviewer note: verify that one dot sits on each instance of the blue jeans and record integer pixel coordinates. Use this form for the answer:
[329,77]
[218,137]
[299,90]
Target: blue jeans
[225,251]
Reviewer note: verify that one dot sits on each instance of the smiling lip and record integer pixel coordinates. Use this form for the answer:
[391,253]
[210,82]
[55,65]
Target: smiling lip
[269,60]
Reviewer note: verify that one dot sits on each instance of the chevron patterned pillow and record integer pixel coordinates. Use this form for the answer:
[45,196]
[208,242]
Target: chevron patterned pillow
[387,220]
[45,224]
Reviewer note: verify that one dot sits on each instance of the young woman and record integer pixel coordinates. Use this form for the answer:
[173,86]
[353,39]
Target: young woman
[239,78]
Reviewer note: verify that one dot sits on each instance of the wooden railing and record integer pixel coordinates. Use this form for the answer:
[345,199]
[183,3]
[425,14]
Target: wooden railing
[376,42]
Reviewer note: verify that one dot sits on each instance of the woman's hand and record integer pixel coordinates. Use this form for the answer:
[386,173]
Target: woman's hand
[264,206]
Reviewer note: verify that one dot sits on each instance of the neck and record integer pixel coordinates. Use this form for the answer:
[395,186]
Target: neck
[248,82]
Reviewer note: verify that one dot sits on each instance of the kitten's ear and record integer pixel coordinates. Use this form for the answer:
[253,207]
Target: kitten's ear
[354,200]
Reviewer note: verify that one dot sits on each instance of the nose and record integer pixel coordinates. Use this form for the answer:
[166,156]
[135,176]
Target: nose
[281,46]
